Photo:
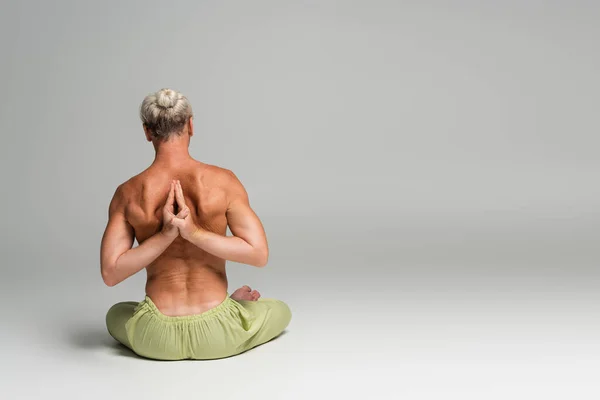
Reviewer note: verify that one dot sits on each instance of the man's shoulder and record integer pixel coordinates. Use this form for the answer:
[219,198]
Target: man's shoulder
[227,180]
[120,198]
[220,176]
[128,188]
[142,178]
[125,188]
[212,168]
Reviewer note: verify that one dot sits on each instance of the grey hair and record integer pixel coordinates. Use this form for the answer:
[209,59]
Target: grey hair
[165,113]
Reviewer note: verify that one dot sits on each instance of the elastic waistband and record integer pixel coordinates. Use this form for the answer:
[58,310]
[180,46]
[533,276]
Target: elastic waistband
[219,308]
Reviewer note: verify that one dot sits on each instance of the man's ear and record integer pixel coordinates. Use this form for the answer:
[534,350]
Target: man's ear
[147,132]
[191,127]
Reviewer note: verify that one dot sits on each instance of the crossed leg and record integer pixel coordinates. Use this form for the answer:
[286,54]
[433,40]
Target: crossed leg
[273,316]
[118,315]
[116,318]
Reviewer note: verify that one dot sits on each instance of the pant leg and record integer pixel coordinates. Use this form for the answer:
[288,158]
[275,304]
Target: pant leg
[272,316]
[116,318]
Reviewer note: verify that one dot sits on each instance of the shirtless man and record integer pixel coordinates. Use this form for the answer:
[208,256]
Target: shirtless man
[178,209]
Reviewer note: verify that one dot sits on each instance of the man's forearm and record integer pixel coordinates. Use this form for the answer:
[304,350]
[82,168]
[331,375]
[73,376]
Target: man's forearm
[138,258]
[230,248]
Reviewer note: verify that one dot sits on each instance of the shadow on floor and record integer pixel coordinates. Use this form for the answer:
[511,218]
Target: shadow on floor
[93,339]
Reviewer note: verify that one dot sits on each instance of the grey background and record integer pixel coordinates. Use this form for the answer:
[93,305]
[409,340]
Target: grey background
[426,173]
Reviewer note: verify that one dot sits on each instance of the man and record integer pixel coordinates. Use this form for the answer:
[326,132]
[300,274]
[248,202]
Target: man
[178,209]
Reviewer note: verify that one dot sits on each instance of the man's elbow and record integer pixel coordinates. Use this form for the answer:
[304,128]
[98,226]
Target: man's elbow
[108,276]
[262,258]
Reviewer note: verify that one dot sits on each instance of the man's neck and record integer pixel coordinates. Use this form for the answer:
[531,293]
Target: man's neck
[173,152]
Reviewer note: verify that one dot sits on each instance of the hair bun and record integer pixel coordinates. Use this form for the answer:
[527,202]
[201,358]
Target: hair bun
[165,113]
[166,98]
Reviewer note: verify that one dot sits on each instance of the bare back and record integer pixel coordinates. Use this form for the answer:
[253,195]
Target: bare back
[184,277]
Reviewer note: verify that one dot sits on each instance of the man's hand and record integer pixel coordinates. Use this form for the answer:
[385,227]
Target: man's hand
[171,222]
[184,221]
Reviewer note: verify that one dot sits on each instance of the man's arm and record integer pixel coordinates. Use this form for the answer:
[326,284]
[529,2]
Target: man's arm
[118,260]
[249,243]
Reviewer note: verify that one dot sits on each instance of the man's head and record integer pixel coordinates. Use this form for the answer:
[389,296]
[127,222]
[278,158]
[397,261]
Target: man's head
[165,114]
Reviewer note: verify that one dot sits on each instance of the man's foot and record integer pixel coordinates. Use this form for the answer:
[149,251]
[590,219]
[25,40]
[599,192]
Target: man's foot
[245,293]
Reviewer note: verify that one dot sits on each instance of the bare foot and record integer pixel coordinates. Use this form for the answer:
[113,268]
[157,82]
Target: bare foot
[245,293]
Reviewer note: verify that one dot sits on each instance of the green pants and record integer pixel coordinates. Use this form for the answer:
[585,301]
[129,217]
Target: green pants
[228,329]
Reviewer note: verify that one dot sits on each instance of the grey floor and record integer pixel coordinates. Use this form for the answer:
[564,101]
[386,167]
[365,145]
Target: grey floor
[468,313]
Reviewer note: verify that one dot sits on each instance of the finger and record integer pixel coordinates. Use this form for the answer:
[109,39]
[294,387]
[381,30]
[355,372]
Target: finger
[179,195]
[183,213]
[169,204]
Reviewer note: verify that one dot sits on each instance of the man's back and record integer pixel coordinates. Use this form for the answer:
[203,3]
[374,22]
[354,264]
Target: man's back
[184,278]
